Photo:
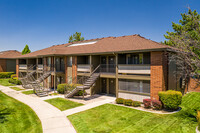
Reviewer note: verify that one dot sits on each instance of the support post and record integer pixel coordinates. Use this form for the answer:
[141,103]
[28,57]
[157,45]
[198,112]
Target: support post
[91,69]
[54,74]
[117,80]
[37,67]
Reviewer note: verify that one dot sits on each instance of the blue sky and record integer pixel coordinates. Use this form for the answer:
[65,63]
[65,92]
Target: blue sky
[42,23]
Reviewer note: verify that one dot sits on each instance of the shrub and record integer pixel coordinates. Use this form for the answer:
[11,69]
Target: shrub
[80,93]
[119,100]
[61,88]
[171,99]
[6,74]
[198,119]
[13,76]
[15,81]
[136,104]
[65,88]
[156,104]
[147,103]
[128,102]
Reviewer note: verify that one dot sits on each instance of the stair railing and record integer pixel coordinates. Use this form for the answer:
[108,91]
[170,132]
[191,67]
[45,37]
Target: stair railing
[83,79]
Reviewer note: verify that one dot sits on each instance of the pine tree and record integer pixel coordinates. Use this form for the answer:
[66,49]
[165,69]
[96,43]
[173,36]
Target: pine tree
[26,50]
[76,37]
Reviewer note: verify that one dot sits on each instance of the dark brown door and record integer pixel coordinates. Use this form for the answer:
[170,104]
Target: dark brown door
[112,87]
[103,85]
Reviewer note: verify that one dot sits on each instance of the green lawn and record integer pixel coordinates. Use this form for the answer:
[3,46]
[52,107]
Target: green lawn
[110,118]
[28,92]
[17,117]
[63,104]
[16,88]
[5,82]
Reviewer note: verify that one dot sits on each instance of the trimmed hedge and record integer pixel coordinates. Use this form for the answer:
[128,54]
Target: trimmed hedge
[147,103]
[15,81]
[136,104]
[119,100]
[128,102]
[171,99]
[64,88]
[157,105]
[6,74]
[13,76]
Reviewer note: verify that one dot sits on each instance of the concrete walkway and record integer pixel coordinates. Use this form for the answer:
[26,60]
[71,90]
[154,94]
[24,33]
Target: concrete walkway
[87,106]
[52,119]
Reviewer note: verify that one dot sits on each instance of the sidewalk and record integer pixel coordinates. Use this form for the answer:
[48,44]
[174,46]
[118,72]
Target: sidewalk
[87,106]
[52,119]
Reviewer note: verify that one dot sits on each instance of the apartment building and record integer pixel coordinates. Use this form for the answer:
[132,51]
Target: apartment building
[8,60]
[130,67]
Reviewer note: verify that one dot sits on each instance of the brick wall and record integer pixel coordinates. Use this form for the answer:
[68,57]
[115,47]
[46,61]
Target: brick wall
[158,73]
[17,67]
[192,86]
[74,69]
[2,65]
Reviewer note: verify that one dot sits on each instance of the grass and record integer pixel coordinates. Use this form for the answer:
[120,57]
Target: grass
[16,88]
[5,82]
[17,117]
[28,92]
[110,118]
[63,104]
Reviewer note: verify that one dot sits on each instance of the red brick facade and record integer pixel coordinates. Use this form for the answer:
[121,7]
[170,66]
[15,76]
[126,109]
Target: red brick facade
[2,65]
[17,68]
[158,73]
[74,69]
[192,86]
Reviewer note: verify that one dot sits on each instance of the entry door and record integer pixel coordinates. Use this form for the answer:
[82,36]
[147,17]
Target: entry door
[103,63]
[112,87]
[103,85]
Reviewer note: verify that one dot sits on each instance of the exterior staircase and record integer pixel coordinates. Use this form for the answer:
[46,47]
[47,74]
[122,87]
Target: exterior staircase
[87,84]
[40,90]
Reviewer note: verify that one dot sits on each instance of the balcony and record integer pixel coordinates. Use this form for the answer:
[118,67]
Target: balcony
[83,68]
[40,68]
[22,67]
[134,68]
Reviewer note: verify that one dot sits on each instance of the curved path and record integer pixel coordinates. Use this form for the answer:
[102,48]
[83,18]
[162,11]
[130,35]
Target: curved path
[52,119]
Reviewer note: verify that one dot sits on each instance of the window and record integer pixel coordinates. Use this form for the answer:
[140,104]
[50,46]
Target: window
[69,61]
[128,59]
[140,58]
[138,86]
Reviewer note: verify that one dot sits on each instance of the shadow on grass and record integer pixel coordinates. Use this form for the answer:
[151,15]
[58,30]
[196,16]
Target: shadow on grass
[4,112]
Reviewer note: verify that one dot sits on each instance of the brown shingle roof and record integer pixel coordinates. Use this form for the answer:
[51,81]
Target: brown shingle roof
[103,45]
[9,54]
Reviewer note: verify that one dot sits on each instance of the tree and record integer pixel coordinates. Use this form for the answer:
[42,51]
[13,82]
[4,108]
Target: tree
[76,37]
[186,42]
[26,50]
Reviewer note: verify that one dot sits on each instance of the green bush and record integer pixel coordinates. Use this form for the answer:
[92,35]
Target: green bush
[136,104]
[171,99]
[65,88]
[119,100]
[198,119]
[128,102]
[6,74]
[80,93]
[61,88]
[13,76]
[15,81]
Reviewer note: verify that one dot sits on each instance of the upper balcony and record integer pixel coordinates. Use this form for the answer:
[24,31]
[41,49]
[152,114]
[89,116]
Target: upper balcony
[134,68]
[84,68]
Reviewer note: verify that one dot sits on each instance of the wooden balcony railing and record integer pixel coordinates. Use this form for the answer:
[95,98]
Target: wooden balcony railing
[134,68]
[22,67]
[84,68]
